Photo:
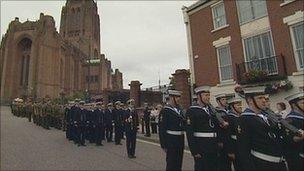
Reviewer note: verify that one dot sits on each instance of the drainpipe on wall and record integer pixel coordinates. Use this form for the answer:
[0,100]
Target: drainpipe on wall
[190,51]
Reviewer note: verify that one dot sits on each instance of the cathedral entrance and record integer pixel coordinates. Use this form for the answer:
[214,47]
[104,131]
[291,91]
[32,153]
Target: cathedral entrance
[23,56]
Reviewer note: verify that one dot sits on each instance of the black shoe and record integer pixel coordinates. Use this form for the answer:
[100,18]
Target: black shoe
[129,156]
[120,144]
[134,156]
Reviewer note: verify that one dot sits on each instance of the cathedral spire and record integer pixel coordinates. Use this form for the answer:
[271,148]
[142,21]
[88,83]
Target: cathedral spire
[80,25]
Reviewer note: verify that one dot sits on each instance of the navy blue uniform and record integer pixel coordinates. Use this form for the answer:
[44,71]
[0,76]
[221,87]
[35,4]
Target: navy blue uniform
[202,135]
[108,121]
[231,141]
[294,150]
[223,136]
[99,126]
[90,125]
[80,118]
[118,123]
[131,124]
[171,136]
[259,143]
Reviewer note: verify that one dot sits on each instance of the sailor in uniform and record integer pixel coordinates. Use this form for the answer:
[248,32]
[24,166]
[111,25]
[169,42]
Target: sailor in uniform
[131,123]
[171,131]
[222,107]
[235,110]
[294,143]
[202,132]
[259,140]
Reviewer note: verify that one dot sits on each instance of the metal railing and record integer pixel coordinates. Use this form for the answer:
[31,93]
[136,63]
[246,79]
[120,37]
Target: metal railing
[260,70]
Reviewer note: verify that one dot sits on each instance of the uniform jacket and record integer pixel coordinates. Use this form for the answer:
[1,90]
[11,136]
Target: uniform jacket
[259,134]
[131,120]
[294,148]
[200,120]
[173,120]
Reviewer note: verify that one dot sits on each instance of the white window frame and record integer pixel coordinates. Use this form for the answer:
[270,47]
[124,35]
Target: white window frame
[213,17]
[297,58]
[255,34]
[285,2]
[219,65]
[292,20]
[251,20]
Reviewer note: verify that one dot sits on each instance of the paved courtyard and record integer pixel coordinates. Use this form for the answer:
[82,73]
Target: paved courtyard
[25,146]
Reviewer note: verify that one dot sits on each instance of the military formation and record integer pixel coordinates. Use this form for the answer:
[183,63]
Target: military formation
[228,137]
[225,137]
[44,112]
[84,122]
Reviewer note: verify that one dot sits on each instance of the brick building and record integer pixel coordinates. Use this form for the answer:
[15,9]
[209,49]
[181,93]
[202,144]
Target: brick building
[229,38]
[39,61]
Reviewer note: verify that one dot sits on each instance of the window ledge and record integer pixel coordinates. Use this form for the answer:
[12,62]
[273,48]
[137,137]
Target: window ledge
[287,2]
[226,83]
[220,28]
[301,72]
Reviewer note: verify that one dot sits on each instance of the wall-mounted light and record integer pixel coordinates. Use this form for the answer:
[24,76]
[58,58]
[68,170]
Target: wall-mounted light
[196,57]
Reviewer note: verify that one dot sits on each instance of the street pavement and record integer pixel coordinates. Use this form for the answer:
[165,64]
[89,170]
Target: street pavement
[25,146]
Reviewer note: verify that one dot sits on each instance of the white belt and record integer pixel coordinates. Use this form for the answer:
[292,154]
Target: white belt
[233,137]
[267,157]
[175,132]
[301,155]
[205,134]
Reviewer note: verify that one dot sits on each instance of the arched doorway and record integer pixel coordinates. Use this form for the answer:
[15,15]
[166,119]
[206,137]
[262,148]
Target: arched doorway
[24,56]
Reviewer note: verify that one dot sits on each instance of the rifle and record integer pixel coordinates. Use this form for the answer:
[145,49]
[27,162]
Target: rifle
[218,116]
[282,122]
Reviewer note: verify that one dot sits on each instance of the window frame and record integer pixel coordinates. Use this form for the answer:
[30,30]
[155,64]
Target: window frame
[297,59]
[213,15]
[252,11]
[273,47]
[219,63]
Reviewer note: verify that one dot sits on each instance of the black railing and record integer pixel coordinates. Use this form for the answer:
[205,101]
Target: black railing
[261,70]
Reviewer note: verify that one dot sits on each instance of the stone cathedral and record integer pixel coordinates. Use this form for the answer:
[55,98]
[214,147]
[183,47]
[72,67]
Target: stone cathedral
[36,60]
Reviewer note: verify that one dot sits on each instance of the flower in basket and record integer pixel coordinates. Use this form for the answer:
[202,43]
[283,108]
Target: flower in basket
[255,75]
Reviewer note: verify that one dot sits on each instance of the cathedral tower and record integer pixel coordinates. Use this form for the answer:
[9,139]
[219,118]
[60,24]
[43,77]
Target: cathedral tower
[80,25]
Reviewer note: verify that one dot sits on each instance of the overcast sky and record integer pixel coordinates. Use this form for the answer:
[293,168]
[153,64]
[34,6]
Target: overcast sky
[141,38]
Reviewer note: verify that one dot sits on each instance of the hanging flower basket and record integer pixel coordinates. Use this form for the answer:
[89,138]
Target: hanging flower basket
[254,76]
[277,87]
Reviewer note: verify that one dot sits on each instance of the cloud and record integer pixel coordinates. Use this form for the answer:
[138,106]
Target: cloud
[144,39]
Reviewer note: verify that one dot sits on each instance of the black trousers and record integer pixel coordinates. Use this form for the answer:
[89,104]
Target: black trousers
[118,134]
[98,135]
[30,117]
[295,163]
[208,161]
[131,141]
[174,159]
[147,125]
[109,132]
[154,127]
[80,135]
[265,165]
[224,160]
[68,132]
